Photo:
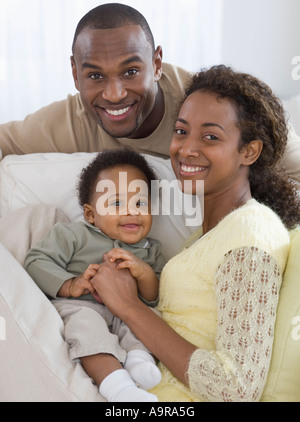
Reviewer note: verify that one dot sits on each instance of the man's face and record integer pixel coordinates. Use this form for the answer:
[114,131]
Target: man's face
[116,74]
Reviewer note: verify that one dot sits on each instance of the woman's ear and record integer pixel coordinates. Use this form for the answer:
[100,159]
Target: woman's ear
[251,152]
[89,213]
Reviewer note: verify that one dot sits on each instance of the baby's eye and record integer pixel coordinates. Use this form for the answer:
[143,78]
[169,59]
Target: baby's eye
[142,204]
[116,204]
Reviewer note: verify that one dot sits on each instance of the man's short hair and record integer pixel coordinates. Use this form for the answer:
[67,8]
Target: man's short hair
[112,16]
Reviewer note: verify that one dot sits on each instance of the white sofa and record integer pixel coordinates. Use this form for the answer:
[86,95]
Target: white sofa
[34,362]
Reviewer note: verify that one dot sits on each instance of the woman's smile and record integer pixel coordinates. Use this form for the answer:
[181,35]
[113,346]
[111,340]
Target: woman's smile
[187,169]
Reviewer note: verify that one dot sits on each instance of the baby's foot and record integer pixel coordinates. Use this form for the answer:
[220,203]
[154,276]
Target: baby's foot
[119,387]
[142,369]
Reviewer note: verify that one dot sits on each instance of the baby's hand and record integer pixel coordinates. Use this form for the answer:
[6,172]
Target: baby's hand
[128,260]
[81,285]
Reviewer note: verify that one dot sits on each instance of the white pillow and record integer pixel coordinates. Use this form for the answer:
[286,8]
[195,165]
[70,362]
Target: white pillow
[51,179]
[41,178]
[292,108]
[34,358]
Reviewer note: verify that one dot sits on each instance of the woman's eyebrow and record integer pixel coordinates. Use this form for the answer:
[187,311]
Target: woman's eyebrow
[181,121]
[212,125]
[209,124]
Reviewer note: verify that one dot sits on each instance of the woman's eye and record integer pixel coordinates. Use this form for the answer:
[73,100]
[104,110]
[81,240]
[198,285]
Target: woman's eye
[180,131]
[212,137]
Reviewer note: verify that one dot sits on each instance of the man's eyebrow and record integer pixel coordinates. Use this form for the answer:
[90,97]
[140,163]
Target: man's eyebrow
[90,66]
[133,59]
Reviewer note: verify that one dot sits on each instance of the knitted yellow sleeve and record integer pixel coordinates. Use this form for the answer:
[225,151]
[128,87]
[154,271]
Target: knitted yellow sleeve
[247,288]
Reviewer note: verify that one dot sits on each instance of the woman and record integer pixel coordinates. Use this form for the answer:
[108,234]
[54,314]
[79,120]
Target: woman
[218,298]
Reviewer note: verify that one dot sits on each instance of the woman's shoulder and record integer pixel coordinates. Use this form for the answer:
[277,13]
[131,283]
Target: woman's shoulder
[256,216]
[256,225]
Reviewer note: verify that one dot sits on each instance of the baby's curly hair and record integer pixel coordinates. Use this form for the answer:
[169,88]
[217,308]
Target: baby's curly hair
[260,116]
[88,178]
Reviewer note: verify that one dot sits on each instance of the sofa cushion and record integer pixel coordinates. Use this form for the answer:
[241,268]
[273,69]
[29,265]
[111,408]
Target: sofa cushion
[52,178]
[34,358]
[283,383]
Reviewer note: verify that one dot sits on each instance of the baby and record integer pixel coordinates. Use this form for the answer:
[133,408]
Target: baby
[117,220]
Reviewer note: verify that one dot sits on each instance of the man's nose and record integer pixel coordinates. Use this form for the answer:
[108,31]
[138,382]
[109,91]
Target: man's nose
[114,91]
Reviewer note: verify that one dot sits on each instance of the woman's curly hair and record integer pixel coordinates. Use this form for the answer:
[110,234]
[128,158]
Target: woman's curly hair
[260,116]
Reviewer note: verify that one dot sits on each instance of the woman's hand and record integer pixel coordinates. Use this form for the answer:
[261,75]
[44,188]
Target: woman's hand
[119,293]
[117,288]
[147,280]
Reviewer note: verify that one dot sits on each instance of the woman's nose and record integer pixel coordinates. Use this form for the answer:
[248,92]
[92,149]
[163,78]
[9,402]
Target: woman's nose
[190,147]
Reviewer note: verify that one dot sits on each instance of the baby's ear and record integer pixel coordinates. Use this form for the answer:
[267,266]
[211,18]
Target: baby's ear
[89,213]
[252,152]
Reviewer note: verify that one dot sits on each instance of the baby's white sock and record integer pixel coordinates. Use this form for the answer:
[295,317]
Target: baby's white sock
[142,369]
[119,387]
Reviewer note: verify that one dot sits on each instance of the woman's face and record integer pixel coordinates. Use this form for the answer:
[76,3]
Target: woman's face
[206,144]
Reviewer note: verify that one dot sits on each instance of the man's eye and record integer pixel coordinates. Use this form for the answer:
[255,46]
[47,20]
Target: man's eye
[95,76]
[131,72]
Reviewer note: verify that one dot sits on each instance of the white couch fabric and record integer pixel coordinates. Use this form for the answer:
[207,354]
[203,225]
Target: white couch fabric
[52,179]
[34,360]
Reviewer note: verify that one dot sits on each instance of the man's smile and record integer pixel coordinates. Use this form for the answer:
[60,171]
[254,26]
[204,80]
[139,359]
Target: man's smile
[120,112]
[116,114]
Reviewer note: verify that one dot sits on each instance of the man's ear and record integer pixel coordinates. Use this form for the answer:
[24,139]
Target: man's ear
[89,213]
[251,152]
[157,63]
[74,72]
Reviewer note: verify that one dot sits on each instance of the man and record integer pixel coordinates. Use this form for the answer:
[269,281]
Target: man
[127,96]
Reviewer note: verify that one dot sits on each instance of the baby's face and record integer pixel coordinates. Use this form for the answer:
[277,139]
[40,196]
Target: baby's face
[121,207]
